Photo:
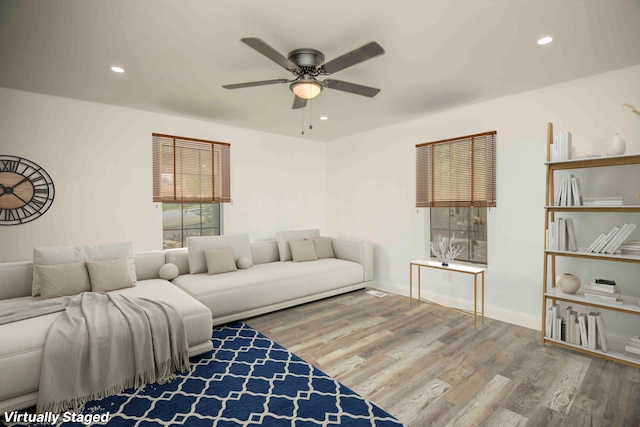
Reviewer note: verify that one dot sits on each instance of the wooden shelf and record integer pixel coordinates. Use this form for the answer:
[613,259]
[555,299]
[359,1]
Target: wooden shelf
[630,303]
[595,162]
[593,255]
[615,355]
[623,208]
[549,291]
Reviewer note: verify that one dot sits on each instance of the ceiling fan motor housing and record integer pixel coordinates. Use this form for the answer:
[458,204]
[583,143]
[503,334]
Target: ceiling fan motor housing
[306,57]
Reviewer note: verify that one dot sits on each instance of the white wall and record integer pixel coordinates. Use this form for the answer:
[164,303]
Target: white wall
[99,157]
[371,182]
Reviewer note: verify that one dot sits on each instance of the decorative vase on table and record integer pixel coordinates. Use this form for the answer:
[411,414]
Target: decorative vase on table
[568,283]
[617,146]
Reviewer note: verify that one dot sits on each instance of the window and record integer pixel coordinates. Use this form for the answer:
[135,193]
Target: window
[181,220]
[467,226]
[456,179]
[191,180]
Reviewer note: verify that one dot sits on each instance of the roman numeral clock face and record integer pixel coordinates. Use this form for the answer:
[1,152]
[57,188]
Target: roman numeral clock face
[26,190]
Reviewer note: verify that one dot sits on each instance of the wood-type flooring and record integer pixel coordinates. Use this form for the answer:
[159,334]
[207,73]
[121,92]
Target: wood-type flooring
[428,366]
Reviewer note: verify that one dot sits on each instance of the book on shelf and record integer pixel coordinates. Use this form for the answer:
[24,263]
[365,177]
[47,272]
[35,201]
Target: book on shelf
[632,347]
[591,331]
[603,201]
[567,320]
[560,148]
[602,335]
[571,232]
[599,287]
[582,320]
[635,340]
[576,191]
[612,241]
[604,282]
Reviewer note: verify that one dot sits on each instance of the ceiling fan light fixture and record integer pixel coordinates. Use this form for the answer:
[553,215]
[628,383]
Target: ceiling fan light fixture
[306,89]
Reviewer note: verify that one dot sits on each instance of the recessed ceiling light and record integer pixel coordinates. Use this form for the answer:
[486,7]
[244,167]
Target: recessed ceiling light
[117,69]
[545,40]
[324,118]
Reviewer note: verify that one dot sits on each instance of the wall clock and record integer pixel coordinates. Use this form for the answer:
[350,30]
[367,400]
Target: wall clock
[26,190]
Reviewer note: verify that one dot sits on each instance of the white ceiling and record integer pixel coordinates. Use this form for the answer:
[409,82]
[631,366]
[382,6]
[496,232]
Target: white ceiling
[177,54]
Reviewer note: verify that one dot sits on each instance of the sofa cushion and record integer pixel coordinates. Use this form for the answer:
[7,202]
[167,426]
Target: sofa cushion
[67,254]
[196,245]
[220,261]
[63,279]
[269,283]
[323,247]
[243,263]
[109,275]
[284,237]
[302,250]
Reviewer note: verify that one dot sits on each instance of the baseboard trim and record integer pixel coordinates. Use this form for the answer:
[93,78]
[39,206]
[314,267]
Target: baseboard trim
[497,313]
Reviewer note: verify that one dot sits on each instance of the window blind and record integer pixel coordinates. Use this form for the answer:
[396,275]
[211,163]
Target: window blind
[457,172]
[188,170]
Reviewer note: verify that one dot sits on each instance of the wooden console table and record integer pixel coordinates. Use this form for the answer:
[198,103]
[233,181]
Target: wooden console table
[459,268]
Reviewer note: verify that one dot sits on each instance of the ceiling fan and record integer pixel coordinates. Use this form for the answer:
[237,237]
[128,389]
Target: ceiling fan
[307,65]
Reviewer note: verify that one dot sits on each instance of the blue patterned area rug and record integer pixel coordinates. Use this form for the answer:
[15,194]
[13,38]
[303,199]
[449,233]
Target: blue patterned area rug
[247,380]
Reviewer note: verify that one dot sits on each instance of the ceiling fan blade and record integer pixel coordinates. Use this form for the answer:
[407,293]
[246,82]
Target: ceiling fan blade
[351,88]
[354,57]
[251,84]
[298,102]
[270,52]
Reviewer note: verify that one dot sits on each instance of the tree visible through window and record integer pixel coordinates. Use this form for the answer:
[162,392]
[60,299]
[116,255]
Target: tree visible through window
[180,221]
[467,226]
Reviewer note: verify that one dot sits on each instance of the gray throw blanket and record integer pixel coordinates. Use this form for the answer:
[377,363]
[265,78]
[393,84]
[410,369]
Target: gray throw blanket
[105,343]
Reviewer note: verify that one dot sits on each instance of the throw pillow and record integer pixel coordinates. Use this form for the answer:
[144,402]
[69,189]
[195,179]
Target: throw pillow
[65,255]
[302,250]
[323,247]
[243,263]
[110,275]
[196,245]
[63,279]
[284,237]
[168,271]
[219,260]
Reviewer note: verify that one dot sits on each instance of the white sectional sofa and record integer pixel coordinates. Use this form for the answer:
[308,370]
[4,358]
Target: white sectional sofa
[270,280]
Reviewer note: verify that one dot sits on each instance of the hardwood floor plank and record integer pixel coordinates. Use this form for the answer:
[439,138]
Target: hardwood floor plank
[428,366]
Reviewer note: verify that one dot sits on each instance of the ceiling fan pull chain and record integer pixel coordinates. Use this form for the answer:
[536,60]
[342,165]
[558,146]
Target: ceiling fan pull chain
[310,115]
[302,120]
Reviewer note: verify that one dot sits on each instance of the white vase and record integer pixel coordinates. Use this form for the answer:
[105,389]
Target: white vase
[568,283]
[617,146]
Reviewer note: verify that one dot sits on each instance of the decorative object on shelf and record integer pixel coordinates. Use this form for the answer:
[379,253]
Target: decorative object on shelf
[617,147]
[568,283]
[444,251]
[26,190]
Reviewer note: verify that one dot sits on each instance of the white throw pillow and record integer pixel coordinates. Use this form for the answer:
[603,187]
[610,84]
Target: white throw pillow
[63,279]
[68,254]
[323,247]
[285,236]
[243,263]
[302,250]
[110,275]
[220,261]
[239,244]
[169,271]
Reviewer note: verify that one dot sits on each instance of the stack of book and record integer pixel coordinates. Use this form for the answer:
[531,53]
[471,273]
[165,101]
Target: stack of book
[632,347]
[630,247]
[603,290]
[561,235]
[561,147]
[581,329]
[603,201]
[568,193]
[610,242]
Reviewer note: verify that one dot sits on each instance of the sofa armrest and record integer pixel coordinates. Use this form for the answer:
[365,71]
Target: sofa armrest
[358,251]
